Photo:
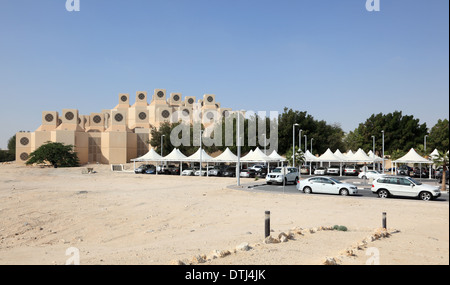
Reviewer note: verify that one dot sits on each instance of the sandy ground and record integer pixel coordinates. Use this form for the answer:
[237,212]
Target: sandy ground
[123,218]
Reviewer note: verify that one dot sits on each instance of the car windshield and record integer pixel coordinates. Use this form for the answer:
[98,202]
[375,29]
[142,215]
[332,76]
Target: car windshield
[415,182]
[277,170]
[335,180]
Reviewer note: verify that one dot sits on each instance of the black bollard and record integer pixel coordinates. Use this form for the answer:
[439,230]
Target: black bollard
[384,220]
[267,224]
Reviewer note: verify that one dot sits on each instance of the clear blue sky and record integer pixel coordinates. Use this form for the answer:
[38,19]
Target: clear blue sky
[333,59]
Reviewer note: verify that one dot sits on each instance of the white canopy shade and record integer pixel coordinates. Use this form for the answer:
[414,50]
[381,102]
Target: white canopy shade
[359,156]
[339,154]
[274,155]
[151,155]
[373,156]
[310,157]
[257,156]
[175,155]
[349,153]
[412,157]
[196,156]
[329,156]
[226,156]
[434,154]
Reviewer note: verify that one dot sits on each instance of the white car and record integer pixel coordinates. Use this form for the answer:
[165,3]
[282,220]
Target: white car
[257,168]
[326,184]
[189,172]
[405,186]
[320,171]
[280,174]
[371,174]
[197,172]
[333,170]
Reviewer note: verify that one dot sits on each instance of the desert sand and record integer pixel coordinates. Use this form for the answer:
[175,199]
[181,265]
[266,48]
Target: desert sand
[124,218]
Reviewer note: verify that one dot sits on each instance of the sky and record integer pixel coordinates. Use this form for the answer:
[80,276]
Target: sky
[333,59]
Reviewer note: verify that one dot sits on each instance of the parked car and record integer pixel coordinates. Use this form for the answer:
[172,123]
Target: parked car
[257,167]
[333,170]
[142,168]
[320,171]
[326,184]
[351,170]
[204,172]
[280,174]
[420,172]
[163,169]
[150,170]
[371,174]
[404,170]
[216,170]
[304,170]
[389,185]
[249,173]
[439,176]
[229,172]
[262,172]
[190,171]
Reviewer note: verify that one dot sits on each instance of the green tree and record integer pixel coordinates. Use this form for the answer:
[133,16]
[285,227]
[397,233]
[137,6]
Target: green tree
[438,137]
[57,154]
[401,132]
[299,156]
[325,136]
[12,147]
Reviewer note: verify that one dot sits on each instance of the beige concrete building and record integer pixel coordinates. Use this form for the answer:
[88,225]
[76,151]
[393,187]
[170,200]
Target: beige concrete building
[117,135]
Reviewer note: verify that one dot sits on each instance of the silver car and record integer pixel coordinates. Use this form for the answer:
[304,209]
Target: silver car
[326,184]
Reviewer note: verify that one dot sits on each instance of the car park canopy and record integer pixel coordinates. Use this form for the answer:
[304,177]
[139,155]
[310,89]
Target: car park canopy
[359,156]
[151,155]
[196,156]
[412,157]
[329,156]
[175,155]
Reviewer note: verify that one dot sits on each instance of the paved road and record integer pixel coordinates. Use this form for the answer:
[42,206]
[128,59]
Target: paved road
[363,189]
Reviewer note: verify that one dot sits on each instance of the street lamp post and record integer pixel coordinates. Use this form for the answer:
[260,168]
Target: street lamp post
[311,144]
[305,143]
[162,141]
[293,144]
[300,139]
[373,150]
[238,144]
[382,153]
[425,144]
[201,134]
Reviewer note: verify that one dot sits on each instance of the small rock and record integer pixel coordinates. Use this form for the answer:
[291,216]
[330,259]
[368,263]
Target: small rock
[330,261]
[243,247]
[177,262]
[270,239]
[283,237]
[197,259]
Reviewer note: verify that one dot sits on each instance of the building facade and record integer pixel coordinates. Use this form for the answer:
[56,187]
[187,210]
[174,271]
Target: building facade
[115,136]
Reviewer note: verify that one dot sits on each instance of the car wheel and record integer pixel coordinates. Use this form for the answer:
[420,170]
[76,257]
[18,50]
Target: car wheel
[383,194]
[296,180]
[344,192]
[269,183]
[425,196]
[363,177]
[307,190]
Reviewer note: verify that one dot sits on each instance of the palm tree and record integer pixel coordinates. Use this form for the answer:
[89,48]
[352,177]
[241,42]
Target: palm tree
[442,160]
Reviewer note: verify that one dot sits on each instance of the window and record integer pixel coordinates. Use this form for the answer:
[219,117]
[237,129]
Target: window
[404,181]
